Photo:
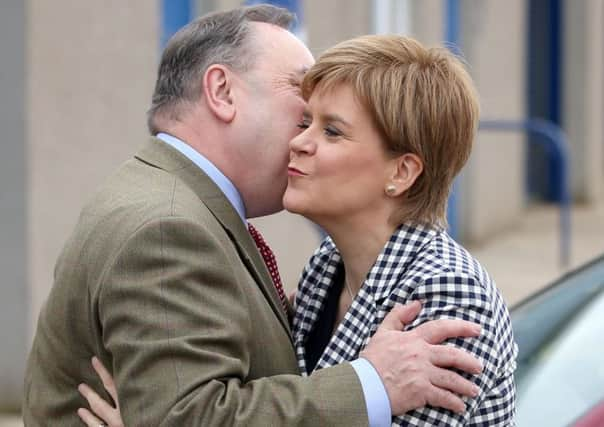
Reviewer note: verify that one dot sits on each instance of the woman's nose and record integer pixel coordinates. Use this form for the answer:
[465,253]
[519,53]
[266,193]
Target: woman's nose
[302,143]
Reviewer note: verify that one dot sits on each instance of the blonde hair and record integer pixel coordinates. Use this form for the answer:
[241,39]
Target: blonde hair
[422,100]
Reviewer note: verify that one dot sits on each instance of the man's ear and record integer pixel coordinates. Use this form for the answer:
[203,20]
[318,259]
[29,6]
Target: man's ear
[406,169]
[217,91]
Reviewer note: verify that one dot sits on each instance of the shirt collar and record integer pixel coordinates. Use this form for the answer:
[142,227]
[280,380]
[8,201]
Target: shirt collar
[225,184]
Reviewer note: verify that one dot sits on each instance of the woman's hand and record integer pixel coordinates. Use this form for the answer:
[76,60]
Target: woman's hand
[103,413]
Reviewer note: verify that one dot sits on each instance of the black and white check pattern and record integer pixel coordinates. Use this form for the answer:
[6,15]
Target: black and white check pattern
[419,263]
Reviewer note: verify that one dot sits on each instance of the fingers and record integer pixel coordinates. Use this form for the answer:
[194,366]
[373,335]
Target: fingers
[99,406]
[89,419]
[455,383]
[292,297]
[400,316]
[445,399]
[106,378]
[437,331]
[452,357]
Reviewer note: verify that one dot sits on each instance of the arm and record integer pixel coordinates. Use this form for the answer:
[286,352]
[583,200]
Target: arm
[189,365]
[177,325]
[411,386]
[458,296]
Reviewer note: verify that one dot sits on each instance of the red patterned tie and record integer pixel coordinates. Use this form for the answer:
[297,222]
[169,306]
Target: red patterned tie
[270,261]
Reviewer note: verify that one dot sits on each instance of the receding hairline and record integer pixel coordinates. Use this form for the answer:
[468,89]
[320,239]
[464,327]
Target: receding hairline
[260,37]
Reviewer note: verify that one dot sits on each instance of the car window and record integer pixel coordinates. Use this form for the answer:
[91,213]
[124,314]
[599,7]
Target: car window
[564,377]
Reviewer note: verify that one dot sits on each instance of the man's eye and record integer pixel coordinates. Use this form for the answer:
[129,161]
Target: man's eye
[296,84]
[303,125]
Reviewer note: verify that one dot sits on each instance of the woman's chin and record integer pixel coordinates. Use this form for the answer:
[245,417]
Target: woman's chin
[293,204]
[291,207]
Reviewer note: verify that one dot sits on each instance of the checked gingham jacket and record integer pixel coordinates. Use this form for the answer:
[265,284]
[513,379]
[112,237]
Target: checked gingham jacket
[425,264]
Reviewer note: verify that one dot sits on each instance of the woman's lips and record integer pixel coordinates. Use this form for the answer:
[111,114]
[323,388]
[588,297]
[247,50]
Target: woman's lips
[291,171]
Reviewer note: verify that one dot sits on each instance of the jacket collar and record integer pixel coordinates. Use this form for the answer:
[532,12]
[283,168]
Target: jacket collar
[395,258]
[158,154]
[361,320]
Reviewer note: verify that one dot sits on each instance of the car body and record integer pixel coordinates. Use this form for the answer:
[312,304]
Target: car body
[560,335]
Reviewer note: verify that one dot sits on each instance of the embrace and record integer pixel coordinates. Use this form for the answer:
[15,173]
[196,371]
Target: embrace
[179,298]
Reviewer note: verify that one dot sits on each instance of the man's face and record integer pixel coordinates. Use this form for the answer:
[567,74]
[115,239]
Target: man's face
[272,110]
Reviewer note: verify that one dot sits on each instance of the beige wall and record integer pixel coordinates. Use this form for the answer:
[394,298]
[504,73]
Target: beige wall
[329,22]
[91,69]
[583,91]
[427,21]
[492,195]
[492,39]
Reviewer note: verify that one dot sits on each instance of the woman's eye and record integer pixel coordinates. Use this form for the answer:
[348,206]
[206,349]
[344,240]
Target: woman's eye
[329,131]
[303,125]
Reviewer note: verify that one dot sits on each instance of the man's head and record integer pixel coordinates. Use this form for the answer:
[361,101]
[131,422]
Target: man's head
[228,84]
[217,38]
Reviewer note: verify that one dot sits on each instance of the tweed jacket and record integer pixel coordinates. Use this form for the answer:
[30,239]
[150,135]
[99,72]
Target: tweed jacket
[163,282]
[418,263]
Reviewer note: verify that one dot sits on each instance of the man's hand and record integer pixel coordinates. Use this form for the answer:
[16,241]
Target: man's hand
[413,365]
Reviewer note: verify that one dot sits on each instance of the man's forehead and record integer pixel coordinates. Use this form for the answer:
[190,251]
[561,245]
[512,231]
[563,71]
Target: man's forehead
[271,36]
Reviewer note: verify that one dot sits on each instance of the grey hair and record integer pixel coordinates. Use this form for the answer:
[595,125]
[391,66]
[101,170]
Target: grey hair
[215,38]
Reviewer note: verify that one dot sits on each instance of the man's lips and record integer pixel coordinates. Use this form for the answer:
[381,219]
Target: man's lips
[291,171]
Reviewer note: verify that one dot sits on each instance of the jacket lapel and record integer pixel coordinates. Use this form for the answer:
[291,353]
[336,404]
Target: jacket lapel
[312,296]
[371,303]
[158,154]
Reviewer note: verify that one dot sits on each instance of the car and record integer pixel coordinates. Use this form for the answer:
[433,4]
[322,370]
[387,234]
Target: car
[560,336]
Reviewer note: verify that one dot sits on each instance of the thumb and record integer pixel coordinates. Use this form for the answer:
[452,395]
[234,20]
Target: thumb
[400,316]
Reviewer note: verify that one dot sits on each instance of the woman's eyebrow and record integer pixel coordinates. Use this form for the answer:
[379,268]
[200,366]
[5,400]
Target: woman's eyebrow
[332,117]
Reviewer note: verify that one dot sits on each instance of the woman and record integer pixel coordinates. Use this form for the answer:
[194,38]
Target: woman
[388,126]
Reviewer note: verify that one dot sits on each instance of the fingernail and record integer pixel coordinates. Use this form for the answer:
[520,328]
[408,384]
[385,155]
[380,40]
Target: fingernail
[475,390]
[80,387]
[477,329]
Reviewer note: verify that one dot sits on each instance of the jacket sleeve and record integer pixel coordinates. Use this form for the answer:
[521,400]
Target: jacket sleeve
[454,295]
[177,326]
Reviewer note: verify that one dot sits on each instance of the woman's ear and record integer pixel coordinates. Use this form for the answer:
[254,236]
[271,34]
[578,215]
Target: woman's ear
[218,93]
[406,169]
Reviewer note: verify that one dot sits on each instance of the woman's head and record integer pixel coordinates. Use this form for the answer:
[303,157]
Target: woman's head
[421,101]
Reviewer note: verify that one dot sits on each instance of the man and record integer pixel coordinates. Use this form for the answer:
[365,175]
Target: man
[162,280]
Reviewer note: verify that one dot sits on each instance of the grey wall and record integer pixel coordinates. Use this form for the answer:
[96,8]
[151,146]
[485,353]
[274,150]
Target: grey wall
[583,93]
[13,209]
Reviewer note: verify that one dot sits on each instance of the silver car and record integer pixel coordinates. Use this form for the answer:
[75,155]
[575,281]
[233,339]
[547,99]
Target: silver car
[560,335]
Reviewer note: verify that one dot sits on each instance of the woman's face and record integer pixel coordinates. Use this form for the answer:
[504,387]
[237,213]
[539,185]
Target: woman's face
[338,166]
